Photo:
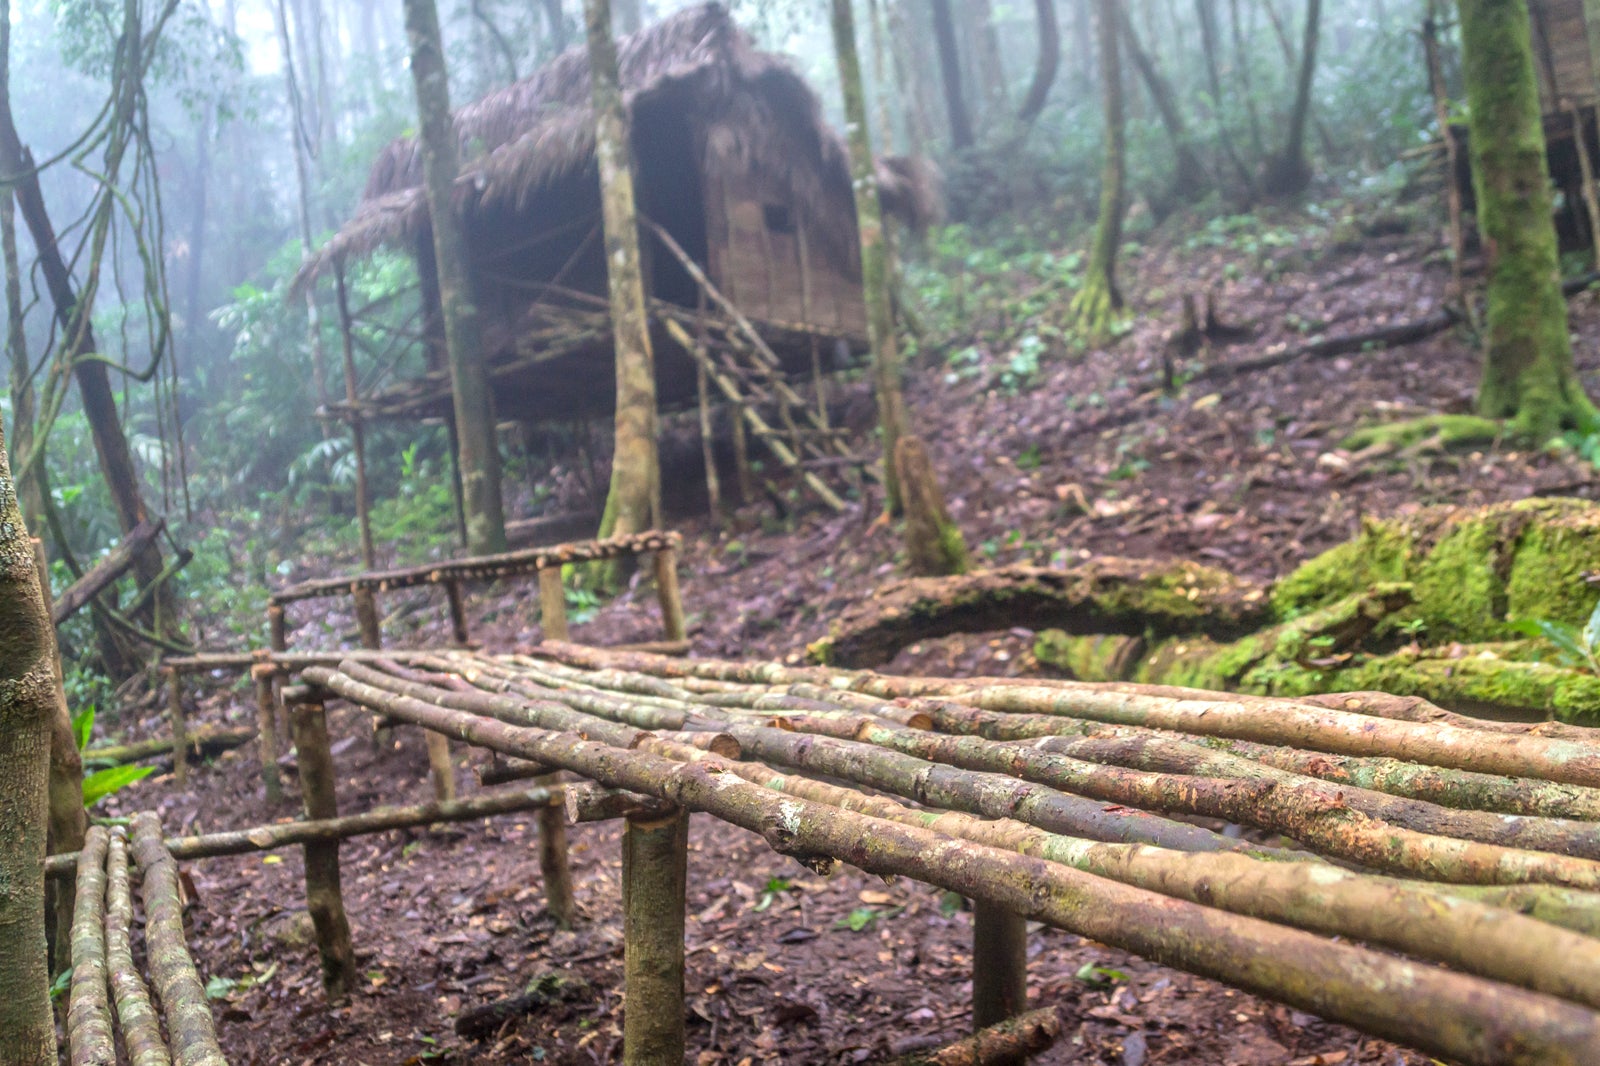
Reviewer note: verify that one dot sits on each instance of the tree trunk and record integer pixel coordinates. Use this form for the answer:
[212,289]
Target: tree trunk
[1044,74]
[1527,371]
[950,66]
[27,710]
[633,503]
[1189,177]
[934,545]
[22,397]
[629,17]
[991,72]
[555,24]
[874,246]
[1094,309]
[1289,173]
[469,372]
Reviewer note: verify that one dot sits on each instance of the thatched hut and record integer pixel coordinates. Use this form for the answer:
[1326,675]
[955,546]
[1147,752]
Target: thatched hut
[732,157]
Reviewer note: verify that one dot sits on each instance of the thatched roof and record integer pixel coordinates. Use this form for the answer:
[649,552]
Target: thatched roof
[760,116]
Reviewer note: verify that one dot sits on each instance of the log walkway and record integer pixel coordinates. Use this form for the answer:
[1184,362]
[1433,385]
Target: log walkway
[1423,877]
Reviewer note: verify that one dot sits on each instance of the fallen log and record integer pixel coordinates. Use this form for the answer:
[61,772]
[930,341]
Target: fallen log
[141,1029]
[488,1019]
[104,573]
[89,1028]
[999,1045]
[202,744]
[1107,595]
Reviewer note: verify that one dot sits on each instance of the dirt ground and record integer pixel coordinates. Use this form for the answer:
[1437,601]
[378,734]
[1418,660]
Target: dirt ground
[1243,472]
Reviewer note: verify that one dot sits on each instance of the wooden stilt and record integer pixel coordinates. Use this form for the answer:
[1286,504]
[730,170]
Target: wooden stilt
[277,628]
[999,964]
[180,728]
[267,730]
[367,619]
[669,594]
[324,895]
[553,604]
[707,436]
[1591,200]
[458,612]
[358,434]
[441,772]
[553,866]
[741,457]
[655,854]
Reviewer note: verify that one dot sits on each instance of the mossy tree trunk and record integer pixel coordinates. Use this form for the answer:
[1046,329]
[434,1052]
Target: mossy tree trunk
[1094,310]
[22,399]
[955,100]
[934,545]
[875,268]
[479,452]
[27,710]
[633,503]
[1189,175]
[1289,172]
[1527,373]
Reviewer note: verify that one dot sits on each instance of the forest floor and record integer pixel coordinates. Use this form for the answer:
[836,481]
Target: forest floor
[1241,471]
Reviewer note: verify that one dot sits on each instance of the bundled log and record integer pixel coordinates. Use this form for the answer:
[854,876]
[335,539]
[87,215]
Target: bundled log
[89,1030]
[1448,1014]
[183,997]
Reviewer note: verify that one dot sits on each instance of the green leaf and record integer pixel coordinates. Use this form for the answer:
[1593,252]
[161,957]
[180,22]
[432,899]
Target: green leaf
[1099,976]
[61,984]
[1591,631]
[102,783]
[220,987]
[857,920]
[83,726]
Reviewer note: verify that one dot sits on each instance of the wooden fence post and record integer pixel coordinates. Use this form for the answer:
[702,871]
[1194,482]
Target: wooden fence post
[999,965]
[458,613]
[655,854]
[324,895]
[553,866]
[553,604]
[669,594]
[180,727]
[367,618]
[278,627]
[267,729]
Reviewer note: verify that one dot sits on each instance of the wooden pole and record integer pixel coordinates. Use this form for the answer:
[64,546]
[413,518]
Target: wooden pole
[668,592]
[552,604]
[999,965]
[266,730]
[458,613]
[741,456]
[277,626]
[707,436]
[180,727]
[655,854]
[1591,201]
[358,434]
[367,618]
[553,865]
[324,896]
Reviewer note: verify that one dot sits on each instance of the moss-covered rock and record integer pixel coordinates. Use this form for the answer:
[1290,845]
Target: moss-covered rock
[1473,570]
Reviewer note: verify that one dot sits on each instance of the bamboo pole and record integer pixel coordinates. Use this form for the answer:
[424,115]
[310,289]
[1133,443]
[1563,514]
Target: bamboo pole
[180,728]
[183,998]
[552,604]
[668,592]
[367,620]
[324,895]
[655,857]
[141,1029]
[89,1036]
[267,730]
[1447,1014]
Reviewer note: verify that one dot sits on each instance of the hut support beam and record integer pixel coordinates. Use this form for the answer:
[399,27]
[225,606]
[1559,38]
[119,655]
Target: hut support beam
[999,965]
[324,894]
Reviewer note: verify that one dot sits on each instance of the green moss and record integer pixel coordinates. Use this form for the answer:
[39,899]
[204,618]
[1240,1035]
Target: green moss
[1446,430]
[1473,570]
[1096,657]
